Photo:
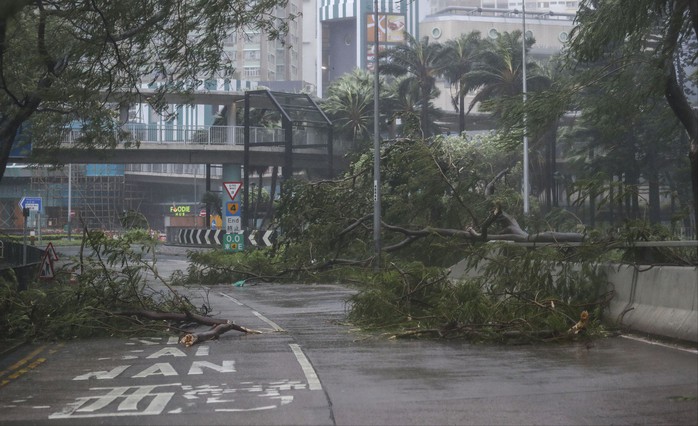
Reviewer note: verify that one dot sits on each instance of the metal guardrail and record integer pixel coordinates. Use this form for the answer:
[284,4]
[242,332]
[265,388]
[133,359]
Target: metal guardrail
[200,135]
[12,254]
[681,243]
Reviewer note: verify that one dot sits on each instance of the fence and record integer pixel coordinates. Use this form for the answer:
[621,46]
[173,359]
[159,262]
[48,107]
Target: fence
[202,135]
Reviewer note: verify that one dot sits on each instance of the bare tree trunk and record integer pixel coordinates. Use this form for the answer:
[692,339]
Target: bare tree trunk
[218,326]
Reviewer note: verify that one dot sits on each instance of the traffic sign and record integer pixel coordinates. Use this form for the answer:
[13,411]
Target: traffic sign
[266,239]
[46,270]
[31,203]
[232,208]
[233,242]
[232,188]
[233,224]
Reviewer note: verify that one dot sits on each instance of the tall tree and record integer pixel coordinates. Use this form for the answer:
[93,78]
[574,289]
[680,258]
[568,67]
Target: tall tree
[402,102]
[462,54]
[498,73]
[61,60]
[349,103]
[663,28]
[422,62]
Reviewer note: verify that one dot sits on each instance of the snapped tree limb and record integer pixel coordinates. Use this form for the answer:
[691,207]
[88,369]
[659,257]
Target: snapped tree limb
[218,326]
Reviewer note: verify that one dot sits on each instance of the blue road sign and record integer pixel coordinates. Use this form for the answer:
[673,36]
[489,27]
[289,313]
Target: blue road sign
[31,203]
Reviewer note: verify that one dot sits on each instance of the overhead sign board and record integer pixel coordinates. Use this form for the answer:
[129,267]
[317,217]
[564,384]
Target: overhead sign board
[31,203]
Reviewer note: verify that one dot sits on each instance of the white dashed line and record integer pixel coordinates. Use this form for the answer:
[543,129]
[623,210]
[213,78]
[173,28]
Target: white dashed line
[268,321]
[232,298]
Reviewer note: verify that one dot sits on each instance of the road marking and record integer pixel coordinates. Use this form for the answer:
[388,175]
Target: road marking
[268,321]
[237,410]
[652,342]
[273,325]
[88,407]
[26,364]
[232,298]
[23,361]
[308,370]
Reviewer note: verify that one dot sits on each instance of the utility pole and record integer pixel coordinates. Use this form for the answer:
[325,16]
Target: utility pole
[525,136]
[376,150]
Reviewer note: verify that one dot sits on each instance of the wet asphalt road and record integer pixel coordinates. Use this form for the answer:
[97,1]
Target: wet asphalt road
[308,367]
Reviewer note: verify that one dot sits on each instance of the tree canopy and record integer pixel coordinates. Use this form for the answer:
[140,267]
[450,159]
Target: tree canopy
[62,61]
[665,31]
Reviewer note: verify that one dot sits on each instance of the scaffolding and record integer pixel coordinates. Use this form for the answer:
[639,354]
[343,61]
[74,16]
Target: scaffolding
[99,196]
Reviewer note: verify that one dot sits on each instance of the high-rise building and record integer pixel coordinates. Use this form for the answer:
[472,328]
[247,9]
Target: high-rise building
[344,37]
[548,22]
[256,58]
[561,6]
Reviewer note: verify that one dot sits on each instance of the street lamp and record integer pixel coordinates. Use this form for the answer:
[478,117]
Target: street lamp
[525,136]
[376,150]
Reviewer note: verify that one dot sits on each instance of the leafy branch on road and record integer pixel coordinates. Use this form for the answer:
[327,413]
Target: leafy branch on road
[114,288]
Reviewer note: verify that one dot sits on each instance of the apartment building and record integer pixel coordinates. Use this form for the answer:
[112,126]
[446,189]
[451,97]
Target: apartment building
[256,58]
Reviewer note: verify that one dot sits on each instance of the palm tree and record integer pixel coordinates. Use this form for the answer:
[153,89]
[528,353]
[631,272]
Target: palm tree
[497,79]
[421,62]
[402,102]
[499,72]
[462,54]
[349,104]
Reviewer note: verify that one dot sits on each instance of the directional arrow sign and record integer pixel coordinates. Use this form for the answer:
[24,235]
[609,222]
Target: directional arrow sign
[265,238]
[232,188]
[31,203]
[261,238]
[253,237]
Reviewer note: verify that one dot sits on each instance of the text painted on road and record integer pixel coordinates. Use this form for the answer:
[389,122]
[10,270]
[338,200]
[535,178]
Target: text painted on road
[174,395]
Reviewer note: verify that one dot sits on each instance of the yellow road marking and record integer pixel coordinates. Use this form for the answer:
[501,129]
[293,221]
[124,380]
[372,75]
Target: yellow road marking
[23,361]
[26,364]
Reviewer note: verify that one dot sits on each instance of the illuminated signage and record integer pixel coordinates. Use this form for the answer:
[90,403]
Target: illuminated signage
[180,210]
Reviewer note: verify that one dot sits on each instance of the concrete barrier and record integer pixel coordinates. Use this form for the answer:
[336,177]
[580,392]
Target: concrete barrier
[659,300]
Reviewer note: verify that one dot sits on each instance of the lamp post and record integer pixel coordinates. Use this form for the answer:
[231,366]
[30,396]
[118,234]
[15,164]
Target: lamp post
[525,136]
[70,200]
[376,150]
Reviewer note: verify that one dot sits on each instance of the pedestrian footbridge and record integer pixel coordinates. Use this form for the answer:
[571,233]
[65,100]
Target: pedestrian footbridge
[281,129]
[156,143]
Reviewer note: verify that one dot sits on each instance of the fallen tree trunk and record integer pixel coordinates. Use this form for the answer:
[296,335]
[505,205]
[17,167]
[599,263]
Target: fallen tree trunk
[190,339]
[511,232]
[219,326]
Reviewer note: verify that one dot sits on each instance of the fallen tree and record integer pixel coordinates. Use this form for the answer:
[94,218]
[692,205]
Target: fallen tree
[112,287]
[189,338]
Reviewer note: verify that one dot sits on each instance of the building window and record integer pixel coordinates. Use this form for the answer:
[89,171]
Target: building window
[251,71]
[252,38]
[251,54]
